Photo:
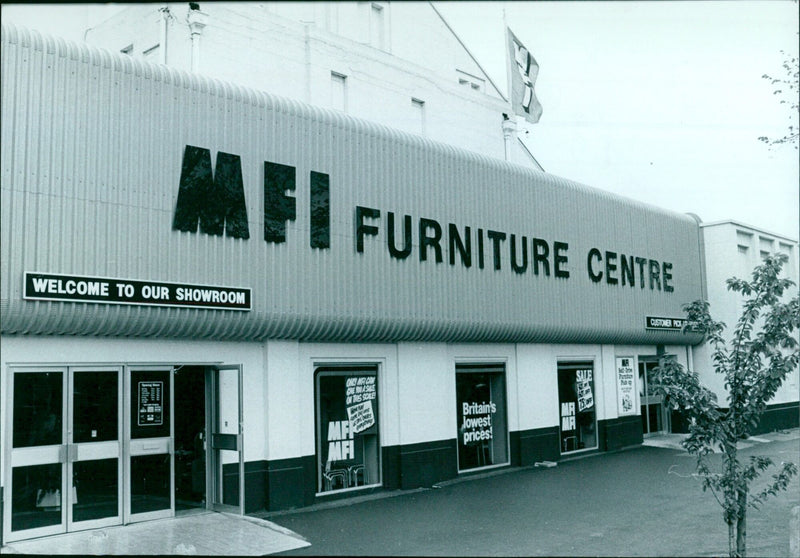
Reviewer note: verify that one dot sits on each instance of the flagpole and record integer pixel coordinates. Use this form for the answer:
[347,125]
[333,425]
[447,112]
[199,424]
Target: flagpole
[510,121]
[509,67]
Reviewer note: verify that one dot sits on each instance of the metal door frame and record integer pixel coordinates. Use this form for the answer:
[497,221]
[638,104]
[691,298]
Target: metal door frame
[129,392]
[213,466]
[31,456]
[62,453]
[108,521]
[57,453]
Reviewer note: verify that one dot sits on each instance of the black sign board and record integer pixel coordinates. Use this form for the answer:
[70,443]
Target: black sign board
[44,286]
[151,403]
[673,324]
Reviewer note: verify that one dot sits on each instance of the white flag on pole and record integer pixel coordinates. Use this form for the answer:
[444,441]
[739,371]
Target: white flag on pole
[523,72]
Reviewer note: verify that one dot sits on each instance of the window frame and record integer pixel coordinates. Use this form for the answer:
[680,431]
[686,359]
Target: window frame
[328,369]
[574,365]
[494,368]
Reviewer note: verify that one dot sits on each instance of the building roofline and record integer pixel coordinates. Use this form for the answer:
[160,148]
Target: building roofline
[745,225]
[529,154]
[497,89]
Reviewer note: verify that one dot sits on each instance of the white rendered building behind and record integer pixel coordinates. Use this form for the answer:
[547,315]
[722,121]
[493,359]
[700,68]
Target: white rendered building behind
[393,63]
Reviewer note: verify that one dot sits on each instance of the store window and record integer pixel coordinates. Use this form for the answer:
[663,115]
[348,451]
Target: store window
[339,91]
[151,54]
[377,26]
[577,411]
[481,415]
[348,448]
[419,113]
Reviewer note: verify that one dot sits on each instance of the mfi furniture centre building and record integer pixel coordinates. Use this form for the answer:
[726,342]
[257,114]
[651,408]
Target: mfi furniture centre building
[216,298]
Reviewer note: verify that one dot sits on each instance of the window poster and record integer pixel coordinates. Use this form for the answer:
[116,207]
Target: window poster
[584,384]
[626,401]
[577,424]
[481,417]
[151,403]
[359,395]
[568,416]
[347,427]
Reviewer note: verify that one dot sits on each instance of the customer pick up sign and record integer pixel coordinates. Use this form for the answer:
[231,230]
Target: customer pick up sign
[657,322]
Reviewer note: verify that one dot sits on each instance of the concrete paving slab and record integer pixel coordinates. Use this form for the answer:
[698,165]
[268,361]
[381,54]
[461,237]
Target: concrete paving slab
[673,441]
[669,441]
[210,534]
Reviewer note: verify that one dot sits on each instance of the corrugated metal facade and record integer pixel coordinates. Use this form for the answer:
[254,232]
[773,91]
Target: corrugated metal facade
[92,150]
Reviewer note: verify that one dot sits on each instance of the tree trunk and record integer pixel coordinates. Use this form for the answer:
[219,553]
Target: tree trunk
[731,538]
[731,502]
[741,524]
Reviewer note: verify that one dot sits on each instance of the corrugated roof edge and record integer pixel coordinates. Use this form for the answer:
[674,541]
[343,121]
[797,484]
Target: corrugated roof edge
[31,38]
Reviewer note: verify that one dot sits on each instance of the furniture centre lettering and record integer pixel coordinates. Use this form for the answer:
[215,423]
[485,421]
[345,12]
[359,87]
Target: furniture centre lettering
[485,249]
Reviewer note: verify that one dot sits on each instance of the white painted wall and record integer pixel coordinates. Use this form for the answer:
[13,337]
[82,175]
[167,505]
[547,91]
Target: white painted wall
[426,393]
[285,401]
[605,383]
[537,387]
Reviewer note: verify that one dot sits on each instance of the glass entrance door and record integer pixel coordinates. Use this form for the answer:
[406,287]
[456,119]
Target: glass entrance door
[655,419]
[65,453]
[190,401]
[227,457]
[89,447]
[36,476]
[149,476]
[94,454]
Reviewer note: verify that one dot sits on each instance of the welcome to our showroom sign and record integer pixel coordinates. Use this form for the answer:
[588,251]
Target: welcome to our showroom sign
[71,288]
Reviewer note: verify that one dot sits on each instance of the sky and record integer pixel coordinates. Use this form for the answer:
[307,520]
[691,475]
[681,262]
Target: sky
[662,102]
[659,101]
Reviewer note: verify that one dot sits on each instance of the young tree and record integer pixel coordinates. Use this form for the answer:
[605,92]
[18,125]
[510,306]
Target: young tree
[763,350]
[786,88]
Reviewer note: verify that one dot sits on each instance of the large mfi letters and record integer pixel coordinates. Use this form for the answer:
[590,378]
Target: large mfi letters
[216,198]
[217,201]
[279,207]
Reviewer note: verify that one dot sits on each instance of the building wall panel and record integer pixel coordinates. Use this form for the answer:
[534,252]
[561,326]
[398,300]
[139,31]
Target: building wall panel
[95,151]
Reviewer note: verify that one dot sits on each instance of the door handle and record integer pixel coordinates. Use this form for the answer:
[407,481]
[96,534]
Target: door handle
[72,452]
[225,441]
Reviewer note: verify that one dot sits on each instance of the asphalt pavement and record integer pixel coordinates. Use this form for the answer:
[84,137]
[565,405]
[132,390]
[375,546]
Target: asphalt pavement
[638,502]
